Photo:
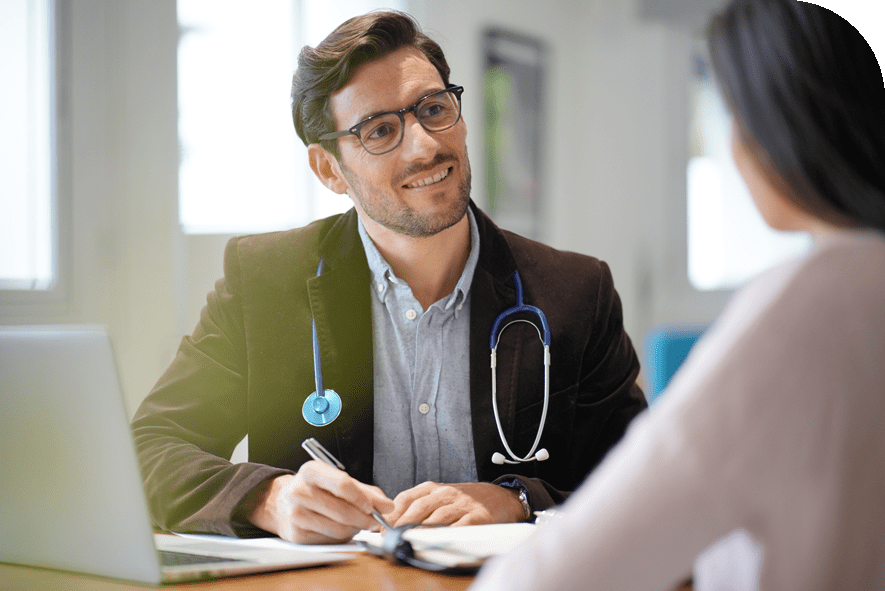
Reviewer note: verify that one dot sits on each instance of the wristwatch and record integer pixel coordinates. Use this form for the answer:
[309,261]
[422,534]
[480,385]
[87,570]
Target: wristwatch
[522,493]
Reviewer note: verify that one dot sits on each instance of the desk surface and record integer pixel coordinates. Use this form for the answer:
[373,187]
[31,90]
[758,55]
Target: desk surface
[363,572]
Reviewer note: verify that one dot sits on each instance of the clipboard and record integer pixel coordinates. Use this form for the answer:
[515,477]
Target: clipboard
[451,550]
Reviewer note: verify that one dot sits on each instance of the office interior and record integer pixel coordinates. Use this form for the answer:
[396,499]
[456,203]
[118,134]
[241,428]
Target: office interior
[614,158]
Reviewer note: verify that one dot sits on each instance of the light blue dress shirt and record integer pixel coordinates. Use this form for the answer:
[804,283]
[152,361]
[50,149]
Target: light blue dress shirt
[423,427]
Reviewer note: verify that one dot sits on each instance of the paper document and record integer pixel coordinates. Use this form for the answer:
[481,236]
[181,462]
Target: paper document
[458,546]
[274,543]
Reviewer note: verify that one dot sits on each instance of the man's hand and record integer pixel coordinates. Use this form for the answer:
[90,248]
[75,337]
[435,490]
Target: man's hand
[318,505]
[456,504]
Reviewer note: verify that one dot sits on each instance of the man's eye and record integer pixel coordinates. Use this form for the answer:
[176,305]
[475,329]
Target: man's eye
[379,132]
[433,109]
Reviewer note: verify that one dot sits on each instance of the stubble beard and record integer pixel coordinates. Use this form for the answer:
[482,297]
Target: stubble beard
[401,218]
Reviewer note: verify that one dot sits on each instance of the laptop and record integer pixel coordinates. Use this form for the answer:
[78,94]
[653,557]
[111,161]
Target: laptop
[71,496]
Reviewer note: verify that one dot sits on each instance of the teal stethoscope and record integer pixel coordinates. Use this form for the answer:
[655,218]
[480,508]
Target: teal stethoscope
[324,406]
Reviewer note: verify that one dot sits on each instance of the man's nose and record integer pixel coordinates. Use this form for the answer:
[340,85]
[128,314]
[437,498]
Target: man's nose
[418,143]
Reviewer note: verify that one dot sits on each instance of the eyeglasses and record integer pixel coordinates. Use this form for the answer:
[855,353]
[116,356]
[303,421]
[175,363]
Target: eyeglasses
[382,133]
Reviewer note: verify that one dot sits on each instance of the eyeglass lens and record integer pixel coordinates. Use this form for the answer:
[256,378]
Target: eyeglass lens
[384,132]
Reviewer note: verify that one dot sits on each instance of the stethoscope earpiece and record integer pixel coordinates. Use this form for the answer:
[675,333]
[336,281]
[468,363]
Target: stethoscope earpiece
[498,458]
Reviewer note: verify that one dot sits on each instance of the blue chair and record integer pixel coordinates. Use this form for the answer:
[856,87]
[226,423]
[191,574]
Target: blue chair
[666,347]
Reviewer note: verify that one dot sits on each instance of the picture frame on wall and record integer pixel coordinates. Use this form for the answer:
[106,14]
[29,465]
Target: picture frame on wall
[513,84]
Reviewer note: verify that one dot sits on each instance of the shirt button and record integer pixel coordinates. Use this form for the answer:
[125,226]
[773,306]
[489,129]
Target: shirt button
[380,287]
[411,314]
[424,408]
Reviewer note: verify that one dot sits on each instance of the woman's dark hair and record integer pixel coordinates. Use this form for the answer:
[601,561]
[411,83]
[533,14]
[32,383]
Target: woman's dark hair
[328,67]
[807,92]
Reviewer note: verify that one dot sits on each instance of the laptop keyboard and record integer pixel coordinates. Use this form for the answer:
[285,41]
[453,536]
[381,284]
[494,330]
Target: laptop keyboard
[169,558]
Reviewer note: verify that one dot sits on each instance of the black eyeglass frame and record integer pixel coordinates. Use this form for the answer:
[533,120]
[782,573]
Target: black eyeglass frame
[355,130]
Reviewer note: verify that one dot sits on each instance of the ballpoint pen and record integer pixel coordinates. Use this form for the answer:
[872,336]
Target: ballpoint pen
[320,453]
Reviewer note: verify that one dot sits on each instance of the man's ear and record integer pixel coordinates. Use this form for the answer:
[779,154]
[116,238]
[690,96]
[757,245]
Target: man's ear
[325,166]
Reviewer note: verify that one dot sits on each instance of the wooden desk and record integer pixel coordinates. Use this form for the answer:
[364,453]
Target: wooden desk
[363,572]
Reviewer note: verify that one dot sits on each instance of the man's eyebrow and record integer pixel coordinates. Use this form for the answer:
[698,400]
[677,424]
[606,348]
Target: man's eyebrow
[423,94]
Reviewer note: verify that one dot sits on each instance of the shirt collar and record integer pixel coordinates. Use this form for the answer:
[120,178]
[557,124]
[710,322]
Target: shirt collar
[383,278]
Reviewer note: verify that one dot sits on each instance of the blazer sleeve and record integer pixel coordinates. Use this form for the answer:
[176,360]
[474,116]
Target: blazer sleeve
[187,427]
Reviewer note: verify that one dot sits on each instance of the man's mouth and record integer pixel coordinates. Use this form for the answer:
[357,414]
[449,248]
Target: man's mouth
[431,180]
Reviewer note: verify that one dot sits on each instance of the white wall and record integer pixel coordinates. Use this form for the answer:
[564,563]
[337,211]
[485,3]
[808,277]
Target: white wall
[616,148]
[119,107]
[614,167]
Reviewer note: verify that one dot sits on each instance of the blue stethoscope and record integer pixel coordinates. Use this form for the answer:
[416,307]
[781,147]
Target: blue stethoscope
[324,406]
[494,339]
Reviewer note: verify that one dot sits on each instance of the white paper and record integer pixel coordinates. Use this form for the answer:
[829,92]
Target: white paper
[275,543]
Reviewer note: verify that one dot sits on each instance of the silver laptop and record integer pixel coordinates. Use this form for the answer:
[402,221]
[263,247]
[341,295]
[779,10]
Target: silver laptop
[71,496]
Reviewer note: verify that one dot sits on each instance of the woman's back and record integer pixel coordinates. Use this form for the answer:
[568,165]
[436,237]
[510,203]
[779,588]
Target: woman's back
[775,425]
[786,403]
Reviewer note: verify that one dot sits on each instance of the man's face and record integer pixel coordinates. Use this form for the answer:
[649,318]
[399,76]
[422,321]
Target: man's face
[421,187]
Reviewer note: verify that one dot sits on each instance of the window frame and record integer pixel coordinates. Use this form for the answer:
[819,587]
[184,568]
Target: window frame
[53,301]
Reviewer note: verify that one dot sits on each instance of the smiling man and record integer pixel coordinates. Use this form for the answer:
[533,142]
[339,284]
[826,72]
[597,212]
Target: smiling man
[371,331]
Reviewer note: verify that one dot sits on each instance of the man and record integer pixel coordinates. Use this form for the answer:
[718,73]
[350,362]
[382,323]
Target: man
[404,290]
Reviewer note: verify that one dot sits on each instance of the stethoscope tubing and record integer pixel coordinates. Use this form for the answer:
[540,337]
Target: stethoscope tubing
[317,368]
[323,406]
[494,339]
[494,363]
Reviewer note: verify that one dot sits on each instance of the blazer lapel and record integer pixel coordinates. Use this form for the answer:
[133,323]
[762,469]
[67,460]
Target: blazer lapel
[341,307]
[492,292]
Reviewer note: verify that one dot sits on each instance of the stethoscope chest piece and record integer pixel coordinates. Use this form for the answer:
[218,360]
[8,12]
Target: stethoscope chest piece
[321,410]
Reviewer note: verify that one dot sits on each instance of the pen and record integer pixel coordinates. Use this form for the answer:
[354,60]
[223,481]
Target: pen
[320,453]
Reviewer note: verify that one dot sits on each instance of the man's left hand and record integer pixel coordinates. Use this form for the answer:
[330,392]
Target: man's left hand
[469,503]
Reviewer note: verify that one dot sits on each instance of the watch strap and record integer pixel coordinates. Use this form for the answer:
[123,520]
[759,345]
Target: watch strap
[522,493]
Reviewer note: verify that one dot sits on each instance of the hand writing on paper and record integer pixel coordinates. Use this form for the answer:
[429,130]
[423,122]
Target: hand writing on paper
[318,505]
[456,504]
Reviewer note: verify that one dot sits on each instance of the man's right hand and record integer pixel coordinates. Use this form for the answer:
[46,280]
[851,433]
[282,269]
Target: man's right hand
[318,505]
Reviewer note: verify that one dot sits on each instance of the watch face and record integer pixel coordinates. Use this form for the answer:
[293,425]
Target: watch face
[524,500]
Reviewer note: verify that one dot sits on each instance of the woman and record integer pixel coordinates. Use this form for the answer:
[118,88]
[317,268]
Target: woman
[764,463]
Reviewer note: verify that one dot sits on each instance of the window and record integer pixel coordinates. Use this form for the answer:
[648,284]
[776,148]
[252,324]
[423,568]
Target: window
[28,223]
[728,241]
[243,168]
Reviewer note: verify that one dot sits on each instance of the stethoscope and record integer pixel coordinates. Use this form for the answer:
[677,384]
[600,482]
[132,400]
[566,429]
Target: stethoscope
[324,406]
[494,339]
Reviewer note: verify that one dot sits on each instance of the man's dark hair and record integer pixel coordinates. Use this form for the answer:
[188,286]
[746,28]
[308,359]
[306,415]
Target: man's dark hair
[808,96]
[328,67]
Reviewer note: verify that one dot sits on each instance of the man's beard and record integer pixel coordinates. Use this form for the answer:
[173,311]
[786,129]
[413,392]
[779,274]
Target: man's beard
[401,218]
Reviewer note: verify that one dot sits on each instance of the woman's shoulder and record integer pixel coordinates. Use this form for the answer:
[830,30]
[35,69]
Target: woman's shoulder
[831,299]
[849,266]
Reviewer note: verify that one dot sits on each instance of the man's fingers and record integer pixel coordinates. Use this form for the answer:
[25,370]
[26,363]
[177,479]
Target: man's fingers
[341,485]
[455,504]
[445,515]
[321,495]
[377,498]
[419,504]
[330,507]
[315,528]
[406,499]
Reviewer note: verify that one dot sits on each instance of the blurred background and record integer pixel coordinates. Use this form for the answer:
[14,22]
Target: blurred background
[137,137]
